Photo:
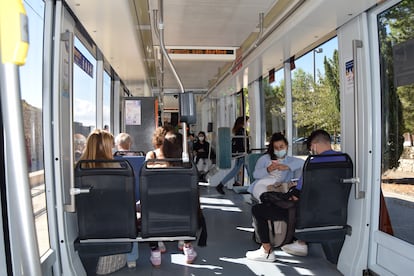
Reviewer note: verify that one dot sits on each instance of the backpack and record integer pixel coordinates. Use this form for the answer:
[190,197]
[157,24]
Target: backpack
[277,232]
[280,231]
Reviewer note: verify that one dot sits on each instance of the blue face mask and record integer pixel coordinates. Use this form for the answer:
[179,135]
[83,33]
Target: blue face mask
[280,153]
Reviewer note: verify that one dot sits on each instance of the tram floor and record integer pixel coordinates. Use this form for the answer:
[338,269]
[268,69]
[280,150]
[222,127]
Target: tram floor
[230,230]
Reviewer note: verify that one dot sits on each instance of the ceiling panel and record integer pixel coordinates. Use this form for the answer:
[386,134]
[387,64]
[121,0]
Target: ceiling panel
[121,30]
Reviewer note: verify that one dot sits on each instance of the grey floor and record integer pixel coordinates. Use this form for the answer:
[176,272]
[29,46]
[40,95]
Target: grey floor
[229,237]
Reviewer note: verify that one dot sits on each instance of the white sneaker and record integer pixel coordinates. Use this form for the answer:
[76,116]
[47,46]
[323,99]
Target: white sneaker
[296,248]
[132,264]
[261,255]
[161,247]
[180,245]
[190,254]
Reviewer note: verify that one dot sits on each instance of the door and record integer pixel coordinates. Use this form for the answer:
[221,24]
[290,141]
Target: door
[392,236]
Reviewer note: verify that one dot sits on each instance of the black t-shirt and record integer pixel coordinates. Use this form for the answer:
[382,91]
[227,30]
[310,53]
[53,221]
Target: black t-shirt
[237,143]
[201,149]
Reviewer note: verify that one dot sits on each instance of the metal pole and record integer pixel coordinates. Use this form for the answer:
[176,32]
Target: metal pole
[319,50]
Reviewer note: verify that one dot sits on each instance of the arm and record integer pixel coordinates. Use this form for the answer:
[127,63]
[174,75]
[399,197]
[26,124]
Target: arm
[150,155]
[295,165]
[260,170]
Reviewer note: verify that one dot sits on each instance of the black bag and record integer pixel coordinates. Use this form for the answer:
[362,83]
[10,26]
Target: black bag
[280,231]
[280,199]
[277,232]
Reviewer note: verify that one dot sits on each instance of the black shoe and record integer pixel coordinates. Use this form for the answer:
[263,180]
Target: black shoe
[219,188]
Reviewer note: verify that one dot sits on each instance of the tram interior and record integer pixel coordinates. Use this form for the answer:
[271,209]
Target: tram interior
[216,50]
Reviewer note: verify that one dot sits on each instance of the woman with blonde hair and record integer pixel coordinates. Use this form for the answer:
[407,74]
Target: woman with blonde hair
[99,146]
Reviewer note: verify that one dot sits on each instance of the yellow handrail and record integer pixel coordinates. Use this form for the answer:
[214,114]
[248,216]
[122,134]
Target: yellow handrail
[14,33]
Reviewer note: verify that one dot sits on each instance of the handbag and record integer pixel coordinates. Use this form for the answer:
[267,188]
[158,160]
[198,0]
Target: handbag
[280,199]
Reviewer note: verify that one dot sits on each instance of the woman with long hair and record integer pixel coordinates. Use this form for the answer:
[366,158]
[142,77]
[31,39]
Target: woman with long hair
[239,146]
[99,145]
[275,166]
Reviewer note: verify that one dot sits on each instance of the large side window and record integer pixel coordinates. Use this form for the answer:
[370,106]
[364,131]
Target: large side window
[84,90]
[315,92]
[274,102]
[31,93]
[396,42]
[107,100]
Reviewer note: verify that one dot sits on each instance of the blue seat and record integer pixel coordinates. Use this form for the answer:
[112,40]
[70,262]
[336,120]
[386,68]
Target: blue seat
[136,162]
[251,160]
[323,205]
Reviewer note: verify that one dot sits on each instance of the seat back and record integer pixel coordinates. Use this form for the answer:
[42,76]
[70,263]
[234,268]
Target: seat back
[169,200]
[129,153]
[106,206]
[251,160]
[136,162]
[324,196]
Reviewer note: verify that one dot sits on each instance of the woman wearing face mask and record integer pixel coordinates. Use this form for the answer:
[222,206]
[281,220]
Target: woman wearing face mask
[202,151]
[275,167]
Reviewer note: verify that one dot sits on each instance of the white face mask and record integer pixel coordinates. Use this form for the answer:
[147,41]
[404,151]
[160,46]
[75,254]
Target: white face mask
[280,153]
[201,138]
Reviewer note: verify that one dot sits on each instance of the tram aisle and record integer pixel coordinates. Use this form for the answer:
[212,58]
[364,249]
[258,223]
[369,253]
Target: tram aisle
[229,226]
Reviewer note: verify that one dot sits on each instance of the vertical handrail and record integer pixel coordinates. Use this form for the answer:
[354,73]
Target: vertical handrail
[67,39]
[185,155]
[13,52]
[355,45]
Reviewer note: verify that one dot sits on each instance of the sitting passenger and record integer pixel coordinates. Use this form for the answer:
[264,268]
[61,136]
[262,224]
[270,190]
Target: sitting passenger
[319,142]
[99,147]
[79,141]
[201,149]
[275,167]
[123,142]
[171,148]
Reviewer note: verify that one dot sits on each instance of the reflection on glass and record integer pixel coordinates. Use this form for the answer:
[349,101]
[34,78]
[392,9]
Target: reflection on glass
[84,90]
[107,100]
[396,42]
[274,102]
[31,92]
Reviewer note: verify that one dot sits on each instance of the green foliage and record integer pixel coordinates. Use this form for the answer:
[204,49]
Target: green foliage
[274,102]
[396,25]
[406,95]
[316,105]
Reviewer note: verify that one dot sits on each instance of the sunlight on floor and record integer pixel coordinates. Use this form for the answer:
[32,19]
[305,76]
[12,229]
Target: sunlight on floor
[268,269]
[179,259]
[219,204]
[209,200]
[223,208]
[246,229]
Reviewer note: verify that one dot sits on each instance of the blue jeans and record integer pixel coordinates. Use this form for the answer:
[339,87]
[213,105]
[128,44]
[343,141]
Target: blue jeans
[239,163]
[133,255]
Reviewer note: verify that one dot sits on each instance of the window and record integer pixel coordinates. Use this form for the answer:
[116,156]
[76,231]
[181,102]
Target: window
[107,100]
[84,90]
[315,92]
[396,43]
[31,91]
[274,102]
